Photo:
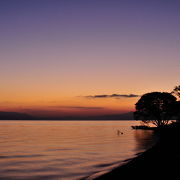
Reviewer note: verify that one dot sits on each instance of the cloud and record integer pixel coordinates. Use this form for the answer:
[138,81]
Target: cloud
[112,96]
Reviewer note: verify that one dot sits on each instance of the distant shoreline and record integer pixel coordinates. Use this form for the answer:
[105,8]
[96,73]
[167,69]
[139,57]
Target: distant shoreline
[65,120]
[23,116]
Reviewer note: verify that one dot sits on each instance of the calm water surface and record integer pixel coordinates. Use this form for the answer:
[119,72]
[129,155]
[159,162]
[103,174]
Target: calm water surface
[67,150]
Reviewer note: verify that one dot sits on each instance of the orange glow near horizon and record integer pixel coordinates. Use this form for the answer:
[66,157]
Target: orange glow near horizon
[70,106]
[52,100]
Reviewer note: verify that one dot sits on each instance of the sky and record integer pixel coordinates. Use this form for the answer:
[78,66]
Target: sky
[86,57]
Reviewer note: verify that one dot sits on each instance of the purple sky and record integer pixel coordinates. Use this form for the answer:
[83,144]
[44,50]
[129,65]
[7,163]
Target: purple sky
[56,50]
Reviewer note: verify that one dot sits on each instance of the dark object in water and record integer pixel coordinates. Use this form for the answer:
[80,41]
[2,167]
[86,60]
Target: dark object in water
[143,127]
[119,132]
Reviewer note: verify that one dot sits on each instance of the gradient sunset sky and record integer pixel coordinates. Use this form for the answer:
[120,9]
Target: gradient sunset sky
[68,57]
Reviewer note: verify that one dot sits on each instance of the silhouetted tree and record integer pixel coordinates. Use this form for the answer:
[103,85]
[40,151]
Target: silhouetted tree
[176,91]
[156,107]
[177,108]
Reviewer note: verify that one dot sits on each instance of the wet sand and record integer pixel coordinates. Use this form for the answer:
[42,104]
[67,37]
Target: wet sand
[160,161]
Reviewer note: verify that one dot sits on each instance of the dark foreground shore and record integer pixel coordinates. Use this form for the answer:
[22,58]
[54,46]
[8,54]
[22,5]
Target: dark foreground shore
[161,161]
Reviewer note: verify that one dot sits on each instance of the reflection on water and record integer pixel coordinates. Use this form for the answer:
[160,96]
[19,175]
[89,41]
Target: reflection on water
[144,139]
[66,149]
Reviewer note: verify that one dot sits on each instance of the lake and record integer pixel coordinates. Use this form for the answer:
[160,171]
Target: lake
[67,150]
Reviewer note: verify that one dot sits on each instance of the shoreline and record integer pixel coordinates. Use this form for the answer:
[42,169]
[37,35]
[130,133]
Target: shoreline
[161,160]
[98,175]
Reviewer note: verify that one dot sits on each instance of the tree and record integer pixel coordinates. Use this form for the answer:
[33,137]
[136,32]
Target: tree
[176,91]
[156,107]
[177,108]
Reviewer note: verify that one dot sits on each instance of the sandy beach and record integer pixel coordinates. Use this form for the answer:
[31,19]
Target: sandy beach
[162,160]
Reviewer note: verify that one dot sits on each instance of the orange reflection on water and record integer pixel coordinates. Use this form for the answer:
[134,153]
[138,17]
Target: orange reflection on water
[63,149]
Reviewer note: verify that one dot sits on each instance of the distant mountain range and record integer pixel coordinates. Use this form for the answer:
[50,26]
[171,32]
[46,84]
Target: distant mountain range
[14,116]
[24,116]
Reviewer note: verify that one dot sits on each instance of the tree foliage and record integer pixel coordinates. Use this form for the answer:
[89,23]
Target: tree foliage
[176,91]
[156,107]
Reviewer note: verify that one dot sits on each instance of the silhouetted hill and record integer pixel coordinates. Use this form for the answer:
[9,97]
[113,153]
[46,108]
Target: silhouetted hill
[124,116]
[24,116]
[14,116]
